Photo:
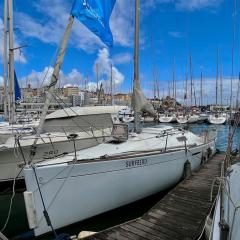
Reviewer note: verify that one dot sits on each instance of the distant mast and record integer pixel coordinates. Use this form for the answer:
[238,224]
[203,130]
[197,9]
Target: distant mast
[191,89]
[217,71]
[11,63]
[221,84]
[136,61]
[5,60]
[111,81]
[201,88]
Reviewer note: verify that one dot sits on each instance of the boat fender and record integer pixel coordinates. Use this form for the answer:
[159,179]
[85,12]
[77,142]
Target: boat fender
[204,157]
[209,152]
[30,209]
[187,172]
[224,228]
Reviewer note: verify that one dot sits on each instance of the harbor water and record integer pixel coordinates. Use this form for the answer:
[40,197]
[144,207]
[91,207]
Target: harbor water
[18,221]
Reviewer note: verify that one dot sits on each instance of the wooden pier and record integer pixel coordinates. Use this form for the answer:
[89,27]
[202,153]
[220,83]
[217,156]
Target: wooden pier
[180,215]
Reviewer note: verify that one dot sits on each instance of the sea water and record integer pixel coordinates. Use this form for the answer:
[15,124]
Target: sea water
[18,220]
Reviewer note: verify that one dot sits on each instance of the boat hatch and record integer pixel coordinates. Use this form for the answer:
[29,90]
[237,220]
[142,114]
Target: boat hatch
[119,133]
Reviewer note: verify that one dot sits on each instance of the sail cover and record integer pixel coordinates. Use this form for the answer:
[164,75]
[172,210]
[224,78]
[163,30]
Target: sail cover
[17,89]
[95,15]
[139,101]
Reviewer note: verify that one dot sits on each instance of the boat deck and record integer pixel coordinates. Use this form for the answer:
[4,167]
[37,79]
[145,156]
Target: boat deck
[180,215]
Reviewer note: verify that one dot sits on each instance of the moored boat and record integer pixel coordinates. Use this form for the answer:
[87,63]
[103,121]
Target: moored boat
[217,119]
[182,119]
[226,219]
[168,118]
[115,173]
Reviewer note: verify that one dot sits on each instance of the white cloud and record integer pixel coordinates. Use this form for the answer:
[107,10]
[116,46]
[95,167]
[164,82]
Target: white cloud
[122,58]
[75,78]
[49,29]
[103,62]
[209,90]
[42,78]
[18,55]
[1,80]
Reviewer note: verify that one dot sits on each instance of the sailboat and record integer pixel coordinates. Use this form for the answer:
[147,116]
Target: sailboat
[224,221]
[89,125]
[218,117]
[129,167]
[94,126]
[168,118]
[226,218]
[12,92]
[182,117]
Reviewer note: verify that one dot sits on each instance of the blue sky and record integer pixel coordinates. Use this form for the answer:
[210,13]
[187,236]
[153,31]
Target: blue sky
[169,29]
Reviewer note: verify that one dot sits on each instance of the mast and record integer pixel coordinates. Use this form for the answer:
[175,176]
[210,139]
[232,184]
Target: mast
[174,91]
[169,89]
[54,79]
[136,61]
[186,88]
[191,89]
[11,63]
[201,88]
[5,60]
[111,84]
[221,86]
[217,70]
[97,76]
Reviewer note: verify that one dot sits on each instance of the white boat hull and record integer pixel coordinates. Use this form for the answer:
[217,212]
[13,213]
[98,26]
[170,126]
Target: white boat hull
[12,161]
[182,119]
[231,203]
[217,120]
[92,187]
[194,119]
[167,119]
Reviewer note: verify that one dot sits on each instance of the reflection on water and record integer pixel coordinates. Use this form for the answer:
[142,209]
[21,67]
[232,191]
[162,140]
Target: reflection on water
[18,221]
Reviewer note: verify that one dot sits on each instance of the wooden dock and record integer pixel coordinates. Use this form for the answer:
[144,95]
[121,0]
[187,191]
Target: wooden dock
[180,215]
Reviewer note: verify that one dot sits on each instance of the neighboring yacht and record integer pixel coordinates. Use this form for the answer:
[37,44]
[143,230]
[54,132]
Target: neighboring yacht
[90,126]
[168,118]
[193,118]
[182,118]
[226,219]
[218,118]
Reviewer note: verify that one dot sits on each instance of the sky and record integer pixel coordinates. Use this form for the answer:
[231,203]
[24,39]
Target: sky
[169,29]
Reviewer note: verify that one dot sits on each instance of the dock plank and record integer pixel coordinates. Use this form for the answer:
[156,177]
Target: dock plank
[180,215]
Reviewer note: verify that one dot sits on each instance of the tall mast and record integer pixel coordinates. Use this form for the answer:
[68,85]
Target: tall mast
[221,86]
[5,60]
[11,63]
[169,89]
[174,91]
[201,88]
[191,89]
[186,88]
[54,79]
[217,70]
[97,76]
[136,60]
[111,85]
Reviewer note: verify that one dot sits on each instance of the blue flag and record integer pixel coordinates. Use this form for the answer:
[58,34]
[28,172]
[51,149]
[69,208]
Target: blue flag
[95,15]
[17,88]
